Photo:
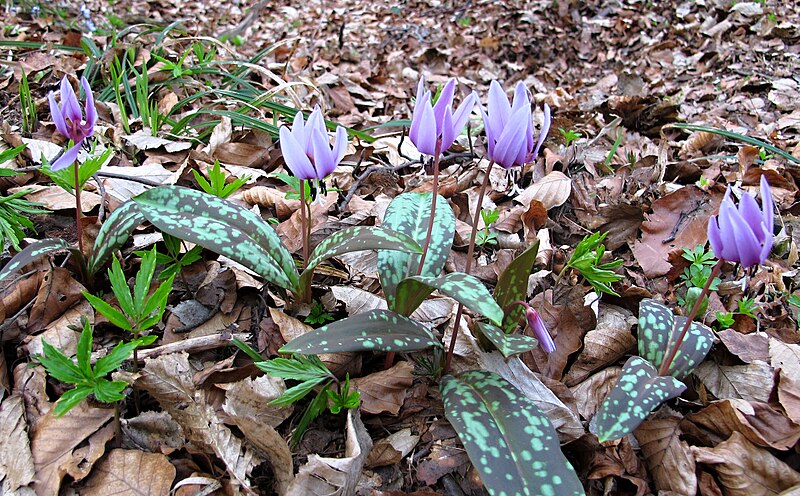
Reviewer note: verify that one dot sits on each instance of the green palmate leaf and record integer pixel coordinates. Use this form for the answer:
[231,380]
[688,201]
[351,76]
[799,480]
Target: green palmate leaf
[659,328]
[119,354]
[112,314]
[59,365]
[33,251]
[376,330]
[357,238]
[509,440]
[464,288]
[409,213]
[222,227]
[114,232]
[298,368]
[638,391]
[109,391]
[507,344]
[513,285]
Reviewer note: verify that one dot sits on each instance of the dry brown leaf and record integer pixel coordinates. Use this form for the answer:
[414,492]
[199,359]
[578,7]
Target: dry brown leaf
[169,380]
[335,476]
[131,473]
[743,469]
[667,457]
[16,460]
[242,154]
[392,449]
[552,190]
[785,357]
[384,391]
[760,423]
[701,141]
[55,198]
[591,393]
[752,382]
[748,347]
[789,395]
[155,432]
[58,292]
[144,140]
[608,342]
[445,457]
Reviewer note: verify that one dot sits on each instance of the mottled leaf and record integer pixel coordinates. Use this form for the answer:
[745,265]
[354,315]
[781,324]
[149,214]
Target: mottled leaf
[513,285]
[32,252]
[507,344]
[357,238]
[114,232]
[222,227]
[638,391]
[376,330]
[409,214]
[509,440]
[659,328]
[463,288]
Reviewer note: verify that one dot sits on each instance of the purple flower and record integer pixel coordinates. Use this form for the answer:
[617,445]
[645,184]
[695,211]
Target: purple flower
[539,329]
[509,128]
[70,122]
[307,149]
[431,123]
[743,235]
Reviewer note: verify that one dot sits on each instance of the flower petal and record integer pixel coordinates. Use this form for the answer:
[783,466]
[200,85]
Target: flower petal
[714,236]
[70,108]
[58,117]
[340,145]
[463,112]
[751,213]
[91,110]
[499,108]
[444,101]
[67,158]
[321,151]
[540,330]
[543,132]
[425,137]
[295,156]
[448,132]
[512,140]
[767,204]
[745,240]
[728,251]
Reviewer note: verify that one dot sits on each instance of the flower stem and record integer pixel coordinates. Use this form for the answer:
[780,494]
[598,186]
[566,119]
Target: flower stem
[437,152]
[303,220]
[468,265]
[664,370]
[78,213]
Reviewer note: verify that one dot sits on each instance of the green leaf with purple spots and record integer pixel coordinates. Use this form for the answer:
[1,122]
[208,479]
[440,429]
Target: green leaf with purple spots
[376,330]
[509,440]
[34,251]
[409,213]
[659,328]
[507,344]
[463,288]
[639,390]
[114,232]
[357,238]
[222,227]
[513,285]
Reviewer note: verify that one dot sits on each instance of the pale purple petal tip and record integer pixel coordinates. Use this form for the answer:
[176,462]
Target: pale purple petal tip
[58,117]
[294,155]
[540,330]
[67,158]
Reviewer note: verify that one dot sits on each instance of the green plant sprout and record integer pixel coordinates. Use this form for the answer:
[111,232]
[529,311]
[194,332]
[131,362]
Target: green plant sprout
[587,260]
[569,136]
[484,237]
[13,208]
[87,379]
[318,315]
[696,275]
[746,306]
[28,106]
[216,182]
[174,261]
[613,150]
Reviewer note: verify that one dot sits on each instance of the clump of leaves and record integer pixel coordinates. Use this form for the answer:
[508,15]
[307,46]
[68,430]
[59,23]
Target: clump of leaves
[13,208]
[696,275]
[569,136]
[216,182]
[587,259]
[318,315]
[87,379]
[484,237]
[745,306]
[174,261]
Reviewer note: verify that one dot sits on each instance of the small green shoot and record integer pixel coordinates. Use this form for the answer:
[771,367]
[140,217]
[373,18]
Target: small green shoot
[587,258]
[87,379]
[695,276]
[65,178]
[465,21]
[569,136]
[318,315]
[725,320]
[614,148]
[13,208]
[216,182]
[484,237]
[174,261]
[27,106]
[344,399]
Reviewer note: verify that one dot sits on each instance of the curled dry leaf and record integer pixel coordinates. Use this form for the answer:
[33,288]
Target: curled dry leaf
[335,476]
[701,141]
[744,469]
[747,347]
[131,472]
[16,460]
[384,391]
[392,449]
[552,190]
[785,357]
[591,393]
[752,382]
[760,423]
[58,292]
[667,457]
[155,432]
[789,395]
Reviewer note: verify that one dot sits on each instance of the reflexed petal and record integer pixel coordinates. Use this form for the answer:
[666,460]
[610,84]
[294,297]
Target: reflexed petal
[751,213]
[58,118]
[70,108]
[445,100]
[91,111]
[461,116]
[499,108]
[321,151]
[729,251]
[491,138]
[67,158]
[423,101]
[425,139]
[448,133]
[294,155]
[543,132]
[766,204]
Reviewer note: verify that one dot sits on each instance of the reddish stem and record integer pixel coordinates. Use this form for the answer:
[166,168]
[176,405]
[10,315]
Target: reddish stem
[664,370]
[303,220]
[437,151]
[78,213]
[468,266]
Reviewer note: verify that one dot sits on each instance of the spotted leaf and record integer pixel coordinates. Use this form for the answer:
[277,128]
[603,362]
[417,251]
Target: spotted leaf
[639,390]
[509,440]
[409,214]
[513,285]
[114,232]
[463,288]
[376,330]
[507,344]
[659,328]
[222,227]
[357,238]
[35,250]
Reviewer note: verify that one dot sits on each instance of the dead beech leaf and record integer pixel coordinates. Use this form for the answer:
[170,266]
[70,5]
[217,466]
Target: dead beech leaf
[55,198]
[168,379]
[591,393]
[701,141]
[392,449]
[789,395]
[760,423]
[785,357]
[131,472]
[58,292]
[144,140]
[667,457]
[335,476]
[16,460]
[608,342]
[752,382]
[552,190]
[384,391]
[748,347]
[242,154]
[744,469]
[155,432]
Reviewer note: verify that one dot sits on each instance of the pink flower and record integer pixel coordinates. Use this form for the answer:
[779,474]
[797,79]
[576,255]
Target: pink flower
[69,120]
[430,123]
[539,329]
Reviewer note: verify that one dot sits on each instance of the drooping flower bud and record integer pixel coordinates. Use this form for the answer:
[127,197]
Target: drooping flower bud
[539,329]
